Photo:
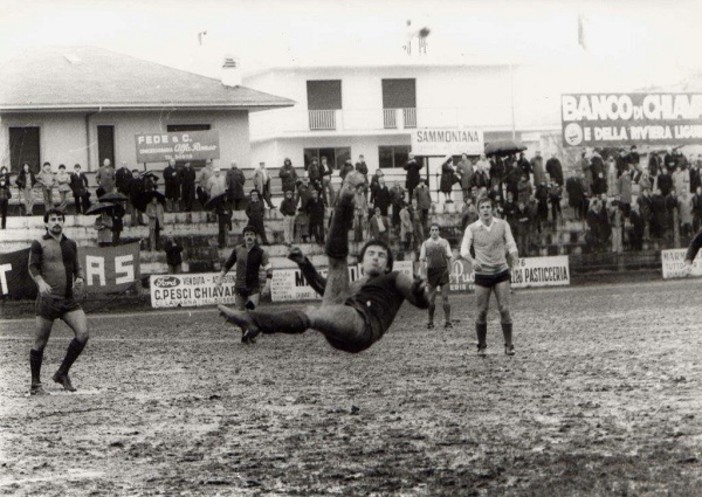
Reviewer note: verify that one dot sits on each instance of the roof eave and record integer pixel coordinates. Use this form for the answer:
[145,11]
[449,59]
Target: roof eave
[7,108]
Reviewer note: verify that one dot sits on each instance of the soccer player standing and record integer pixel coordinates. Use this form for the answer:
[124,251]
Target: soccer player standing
[54,266]
[436,254]
[490,239]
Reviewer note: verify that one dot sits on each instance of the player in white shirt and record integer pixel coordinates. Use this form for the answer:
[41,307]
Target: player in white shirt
[491,239]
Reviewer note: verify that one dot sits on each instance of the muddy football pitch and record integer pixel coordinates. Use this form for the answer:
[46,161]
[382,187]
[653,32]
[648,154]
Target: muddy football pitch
[602,398]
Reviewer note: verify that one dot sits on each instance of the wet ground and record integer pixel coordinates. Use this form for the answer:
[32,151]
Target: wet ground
[602,398]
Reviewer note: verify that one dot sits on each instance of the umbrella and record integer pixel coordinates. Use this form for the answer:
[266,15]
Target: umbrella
[113,197]
[100,207]
[144,199]
[504,147]
[215,201]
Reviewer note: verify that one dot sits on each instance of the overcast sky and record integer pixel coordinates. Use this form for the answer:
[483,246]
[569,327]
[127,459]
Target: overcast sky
[629,44]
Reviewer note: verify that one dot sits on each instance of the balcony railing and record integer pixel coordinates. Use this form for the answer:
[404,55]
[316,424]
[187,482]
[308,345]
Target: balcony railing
[389,119]
[322,119]
[410,117]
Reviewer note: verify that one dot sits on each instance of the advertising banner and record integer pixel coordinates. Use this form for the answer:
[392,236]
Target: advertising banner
[106,269]
[110,269]
[529,272]
[180,146]
[672,263]
[447,141]
[289,285]
[191,290]
[15,281]
[617,119]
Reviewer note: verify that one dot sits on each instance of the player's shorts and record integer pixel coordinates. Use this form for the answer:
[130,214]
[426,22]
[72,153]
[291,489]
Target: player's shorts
[437,276]
[372,332]
[490,280]
[51,307]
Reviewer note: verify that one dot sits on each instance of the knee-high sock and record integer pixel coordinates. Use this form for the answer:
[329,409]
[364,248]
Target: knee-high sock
[35,358]
[337,244]
[507,333]
[291,322]
[447,312]
[314,279]
[481,331]
[72,353]
[432,308]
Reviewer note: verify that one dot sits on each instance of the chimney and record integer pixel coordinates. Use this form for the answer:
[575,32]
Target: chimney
[231,72]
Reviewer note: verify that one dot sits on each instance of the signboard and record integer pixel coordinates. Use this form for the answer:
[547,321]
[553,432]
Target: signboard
[619,119]
[529,272]
[15,281]
[447,141]
[190,290]
[288,285]
[110,269]
[106,269]
[181,146]
[672,264]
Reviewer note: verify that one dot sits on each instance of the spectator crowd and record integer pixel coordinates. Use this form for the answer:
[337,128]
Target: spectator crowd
[621,200]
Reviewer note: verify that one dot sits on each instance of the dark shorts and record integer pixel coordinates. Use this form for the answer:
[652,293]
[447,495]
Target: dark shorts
[438,276]
[372,332]
[52,308]
[490,280]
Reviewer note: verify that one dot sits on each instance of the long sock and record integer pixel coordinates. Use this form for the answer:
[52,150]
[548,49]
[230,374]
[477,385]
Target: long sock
[314,279]
[35,358]
[507,333]
[447,312]
[481,331]
[432,308]
[72,353]
[291,322]
[337,244]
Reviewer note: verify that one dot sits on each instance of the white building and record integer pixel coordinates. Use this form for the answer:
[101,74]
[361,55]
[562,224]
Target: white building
[347,110]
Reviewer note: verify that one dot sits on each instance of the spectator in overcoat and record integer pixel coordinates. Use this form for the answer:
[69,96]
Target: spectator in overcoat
[187,186]
[413,169]
[235,185]
[170,178]
[288,176]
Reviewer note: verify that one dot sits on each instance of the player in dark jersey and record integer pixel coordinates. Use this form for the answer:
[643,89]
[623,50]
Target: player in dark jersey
[55,267]
[352,316]
[436,254]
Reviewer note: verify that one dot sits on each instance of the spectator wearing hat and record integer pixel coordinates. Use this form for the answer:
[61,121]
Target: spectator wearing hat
[249,258]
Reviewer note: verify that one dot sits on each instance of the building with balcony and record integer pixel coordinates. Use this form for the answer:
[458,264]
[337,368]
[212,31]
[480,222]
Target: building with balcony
[371,110]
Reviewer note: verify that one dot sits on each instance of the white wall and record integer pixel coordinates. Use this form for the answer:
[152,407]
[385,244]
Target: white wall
[477,96]
[63,135]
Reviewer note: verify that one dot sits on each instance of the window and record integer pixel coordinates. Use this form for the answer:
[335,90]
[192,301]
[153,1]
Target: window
[177,128]
[106,144]
[399,94]
[324,95]
[393,156]
[335,156]
[24,147]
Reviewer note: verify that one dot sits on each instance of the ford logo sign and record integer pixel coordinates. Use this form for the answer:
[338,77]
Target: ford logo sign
[166,282]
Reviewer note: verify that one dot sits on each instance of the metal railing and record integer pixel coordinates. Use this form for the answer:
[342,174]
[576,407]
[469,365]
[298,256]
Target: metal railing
[322,119]
[410,117]
[389,119]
